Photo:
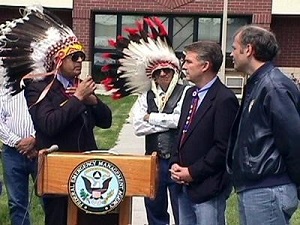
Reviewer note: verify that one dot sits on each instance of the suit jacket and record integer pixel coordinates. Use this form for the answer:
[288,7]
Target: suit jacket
[64,120]
[204,148]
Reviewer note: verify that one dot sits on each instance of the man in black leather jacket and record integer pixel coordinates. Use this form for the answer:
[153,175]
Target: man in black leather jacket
[263,155]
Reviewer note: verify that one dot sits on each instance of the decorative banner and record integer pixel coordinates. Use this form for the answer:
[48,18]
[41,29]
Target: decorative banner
[97,186]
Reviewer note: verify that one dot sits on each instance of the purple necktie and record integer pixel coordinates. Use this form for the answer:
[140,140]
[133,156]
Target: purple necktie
[192,112]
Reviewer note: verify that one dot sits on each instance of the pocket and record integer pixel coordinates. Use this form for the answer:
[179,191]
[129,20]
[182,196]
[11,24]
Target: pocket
[288,198]
[247,164]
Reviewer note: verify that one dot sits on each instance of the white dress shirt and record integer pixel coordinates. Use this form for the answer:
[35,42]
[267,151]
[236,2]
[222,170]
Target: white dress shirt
[203,91]
[158,122]
[15,120]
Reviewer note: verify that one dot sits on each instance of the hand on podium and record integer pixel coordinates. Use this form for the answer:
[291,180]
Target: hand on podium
[47,151]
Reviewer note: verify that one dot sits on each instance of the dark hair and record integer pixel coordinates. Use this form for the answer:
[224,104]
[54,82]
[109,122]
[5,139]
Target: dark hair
[262,41]
[207,51]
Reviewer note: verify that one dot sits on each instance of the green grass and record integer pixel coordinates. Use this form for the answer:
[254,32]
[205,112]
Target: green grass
[106,139]
[36,209]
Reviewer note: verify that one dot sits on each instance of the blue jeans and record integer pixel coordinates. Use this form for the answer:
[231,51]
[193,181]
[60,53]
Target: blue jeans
[16,171]
[157,209]
[211,212]
[268,206]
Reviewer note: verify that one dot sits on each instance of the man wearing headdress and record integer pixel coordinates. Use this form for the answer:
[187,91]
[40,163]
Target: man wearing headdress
[156,116]
[64,109]
[148,66]
[66,116]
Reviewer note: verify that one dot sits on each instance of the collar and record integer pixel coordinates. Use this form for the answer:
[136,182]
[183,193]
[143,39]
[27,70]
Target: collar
[160,91]
[202,91]
[64,81]
[260,72]
[209,84]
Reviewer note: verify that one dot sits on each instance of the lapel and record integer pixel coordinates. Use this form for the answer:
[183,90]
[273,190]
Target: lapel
[58,87]
[58,93]
[203,108]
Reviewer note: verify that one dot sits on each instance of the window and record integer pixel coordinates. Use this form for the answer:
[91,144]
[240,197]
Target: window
[183,30]
[129,21]
[209,29]
[105,29]
[236,84]
[232,25]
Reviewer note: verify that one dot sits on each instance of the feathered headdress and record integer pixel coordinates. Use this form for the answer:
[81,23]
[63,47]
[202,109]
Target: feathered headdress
[137,57]
[33,46]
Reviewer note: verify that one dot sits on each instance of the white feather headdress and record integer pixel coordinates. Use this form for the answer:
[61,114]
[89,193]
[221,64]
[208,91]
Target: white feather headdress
[138,56]
[33,46]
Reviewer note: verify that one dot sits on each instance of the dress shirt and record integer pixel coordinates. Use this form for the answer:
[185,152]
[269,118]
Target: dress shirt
[15,120]
[158,122]
[65,82]
[202,92]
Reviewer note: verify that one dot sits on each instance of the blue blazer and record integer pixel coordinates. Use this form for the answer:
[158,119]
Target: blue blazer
[204,148]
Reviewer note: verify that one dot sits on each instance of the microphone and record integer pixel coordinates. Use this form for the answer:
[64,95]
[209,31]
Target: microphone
[53,148]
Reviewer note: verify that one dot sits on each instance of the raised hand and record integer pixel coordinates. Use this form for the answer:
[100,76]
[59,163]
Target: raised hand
[85,91]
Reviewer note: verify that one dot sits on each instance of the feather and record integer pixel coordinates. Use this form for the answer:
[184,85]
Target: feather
[152,26]
[161,28]
[112,43]
[136,58]
[28,45]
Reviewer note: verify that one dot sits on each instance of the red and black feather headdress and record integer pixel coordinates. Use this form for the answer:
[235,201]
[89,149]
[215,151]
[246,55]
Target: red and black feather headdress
[145,49]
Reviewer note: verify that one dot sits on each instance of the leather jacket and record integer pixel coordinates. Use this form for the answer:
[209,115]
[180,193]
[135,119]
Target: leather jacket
[264,146]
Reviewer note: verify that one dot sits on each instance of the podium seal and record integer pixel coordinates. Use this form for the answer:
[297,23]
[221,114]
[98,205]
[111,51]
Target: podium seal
[97,186]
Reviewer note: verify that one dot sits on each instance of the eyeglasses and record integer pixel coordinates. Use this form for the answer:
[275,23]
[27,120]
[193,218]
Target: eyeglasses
[76,55]
[165,70]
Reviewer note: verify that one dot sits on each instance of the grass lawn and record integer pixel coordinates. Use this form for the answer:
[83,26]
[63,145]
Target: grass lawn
[106,139]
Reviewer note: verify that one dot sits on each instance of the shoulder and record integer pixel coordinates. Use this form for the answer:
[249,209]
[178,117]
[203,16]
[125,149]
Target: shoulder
[38,84]
[280,82]
[141,100]
[225,96]
[222,90]
[34,89]
[143,95]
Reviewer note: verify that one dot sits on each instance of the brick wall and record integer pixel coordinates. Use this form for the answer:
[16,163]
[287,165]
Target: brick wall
[260,9]
[286,28]
[287,32]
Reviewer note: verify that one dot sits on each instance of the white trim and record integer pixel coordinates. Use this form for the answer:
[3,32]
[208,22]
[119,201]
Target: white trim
[65,4]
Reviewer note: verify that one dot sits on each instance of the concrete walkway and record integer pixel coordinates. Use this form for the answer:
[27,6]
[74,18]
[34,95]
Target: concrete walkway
[129,143]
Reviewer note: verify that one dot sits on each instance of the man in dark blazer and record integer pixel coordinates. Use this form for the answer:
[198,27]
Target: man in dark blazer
[45,57]
[65,115]
[208,111]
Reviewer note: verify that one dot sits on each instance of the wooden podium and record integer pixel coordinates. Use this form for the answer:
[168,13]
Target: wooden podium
[140,174]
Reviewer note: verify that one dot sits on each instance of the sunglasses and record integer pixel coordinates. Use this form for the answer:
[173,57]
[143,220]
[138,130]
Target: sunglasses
[76,55]
[165,70]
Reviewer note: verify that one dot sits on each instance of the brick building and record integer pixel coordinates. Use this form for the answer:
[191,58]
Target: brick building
[95,22]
